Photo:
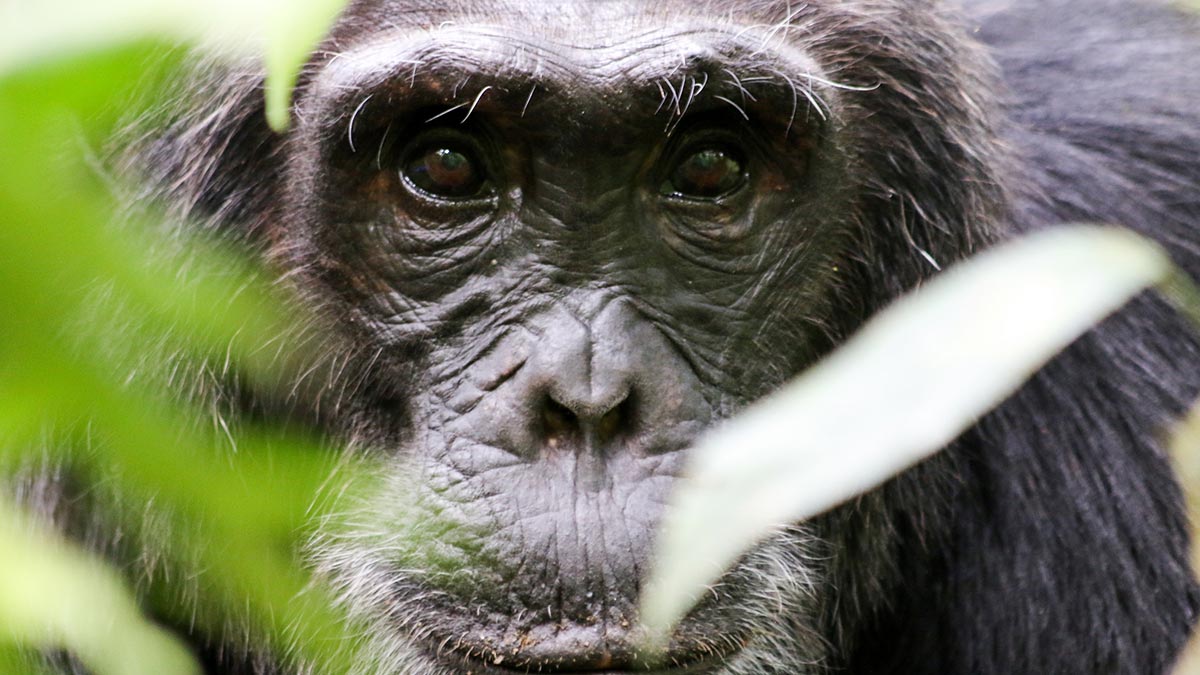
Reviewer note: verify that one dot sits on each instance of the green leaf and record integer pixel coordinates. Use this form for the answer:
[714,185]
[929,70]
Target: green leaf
[915,377]
[282,32]
[20,661]
[55,596]
[293,34]
[1184,447]
[32,32]
[73,285]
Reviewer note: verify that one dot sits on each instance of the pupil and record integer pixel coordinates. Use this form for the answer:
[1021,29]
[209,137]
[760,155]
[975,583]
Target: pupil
[445,172]
[448,169]
[450,160]
[708,159]
[707,174]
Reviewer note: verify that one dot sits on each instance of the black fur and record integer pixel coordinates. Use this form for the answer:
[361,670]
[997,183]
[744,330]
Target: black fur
[1067,552]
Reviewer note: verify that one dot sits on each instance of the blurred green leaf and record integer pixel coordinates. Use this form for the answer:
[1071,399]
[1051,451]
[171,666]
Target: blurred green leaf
[914,378]
[282,32]
[1185,455]
[54,596]
[292,35]
[85,304]
[16,661]
[36,31]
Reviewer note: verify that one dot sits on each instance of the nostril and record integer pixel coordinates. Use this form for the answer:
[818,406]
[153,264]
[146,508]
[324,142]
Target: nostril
[564,424]
[558,422]
[609,425]
[616,421]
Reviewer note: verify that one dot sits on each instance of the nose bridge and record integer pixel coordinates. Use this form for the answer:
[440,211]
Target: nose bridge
[585,380]
[584,201]
[585,359]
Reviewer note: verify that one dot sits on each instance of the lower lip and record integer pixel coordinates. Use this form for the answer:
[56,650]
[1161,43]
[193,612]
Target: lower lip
[473,667]
[477,668]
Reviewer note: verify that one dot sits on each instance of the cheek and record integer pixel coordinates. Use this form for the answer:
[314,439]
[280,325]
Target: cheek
[391,251]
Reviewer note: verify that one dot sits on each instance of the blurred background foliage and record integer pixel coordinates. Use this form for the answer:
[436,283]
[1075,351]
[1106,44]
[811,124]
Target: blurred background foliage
[87,298]
[90,294]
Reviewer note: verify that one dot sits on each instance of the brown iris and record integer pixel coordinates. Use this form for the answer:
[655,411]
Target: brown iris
[447,172]
[707,173]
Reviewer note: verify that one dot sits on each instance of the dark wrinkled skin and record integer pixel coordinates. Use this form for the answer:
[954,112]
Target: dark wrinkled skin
[579,329]
[532,363]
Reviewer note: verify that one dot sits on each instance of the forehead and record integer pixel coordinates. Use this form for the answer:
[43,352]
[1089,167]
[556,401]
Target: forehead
[583,34]
[584,23]
[606,48]
[567,70]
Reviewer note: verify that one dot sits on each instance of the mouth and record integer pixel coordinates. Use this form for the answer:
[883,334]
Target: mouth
[579,651]
[474,666]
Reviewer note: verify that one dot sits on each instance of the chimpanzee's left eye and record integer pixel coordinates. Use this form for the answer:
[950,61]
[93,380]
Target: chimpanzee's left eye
[446,171]
[706,174]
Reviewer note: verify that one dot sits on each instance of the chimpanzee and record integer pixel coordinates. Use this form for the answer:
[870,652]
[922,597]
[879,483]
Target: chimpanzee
[566,237]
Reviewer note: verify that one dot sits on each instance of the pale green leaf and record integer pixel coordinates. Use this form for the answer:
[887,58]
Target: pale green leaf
[55,596]
[914,378]
[282,32]
[39,30]
[292,35]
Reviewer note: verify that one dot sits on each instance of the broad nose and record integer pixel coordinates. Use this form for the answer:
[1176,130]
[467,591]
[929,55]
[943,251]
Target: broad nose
[606,382]
[585,378]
